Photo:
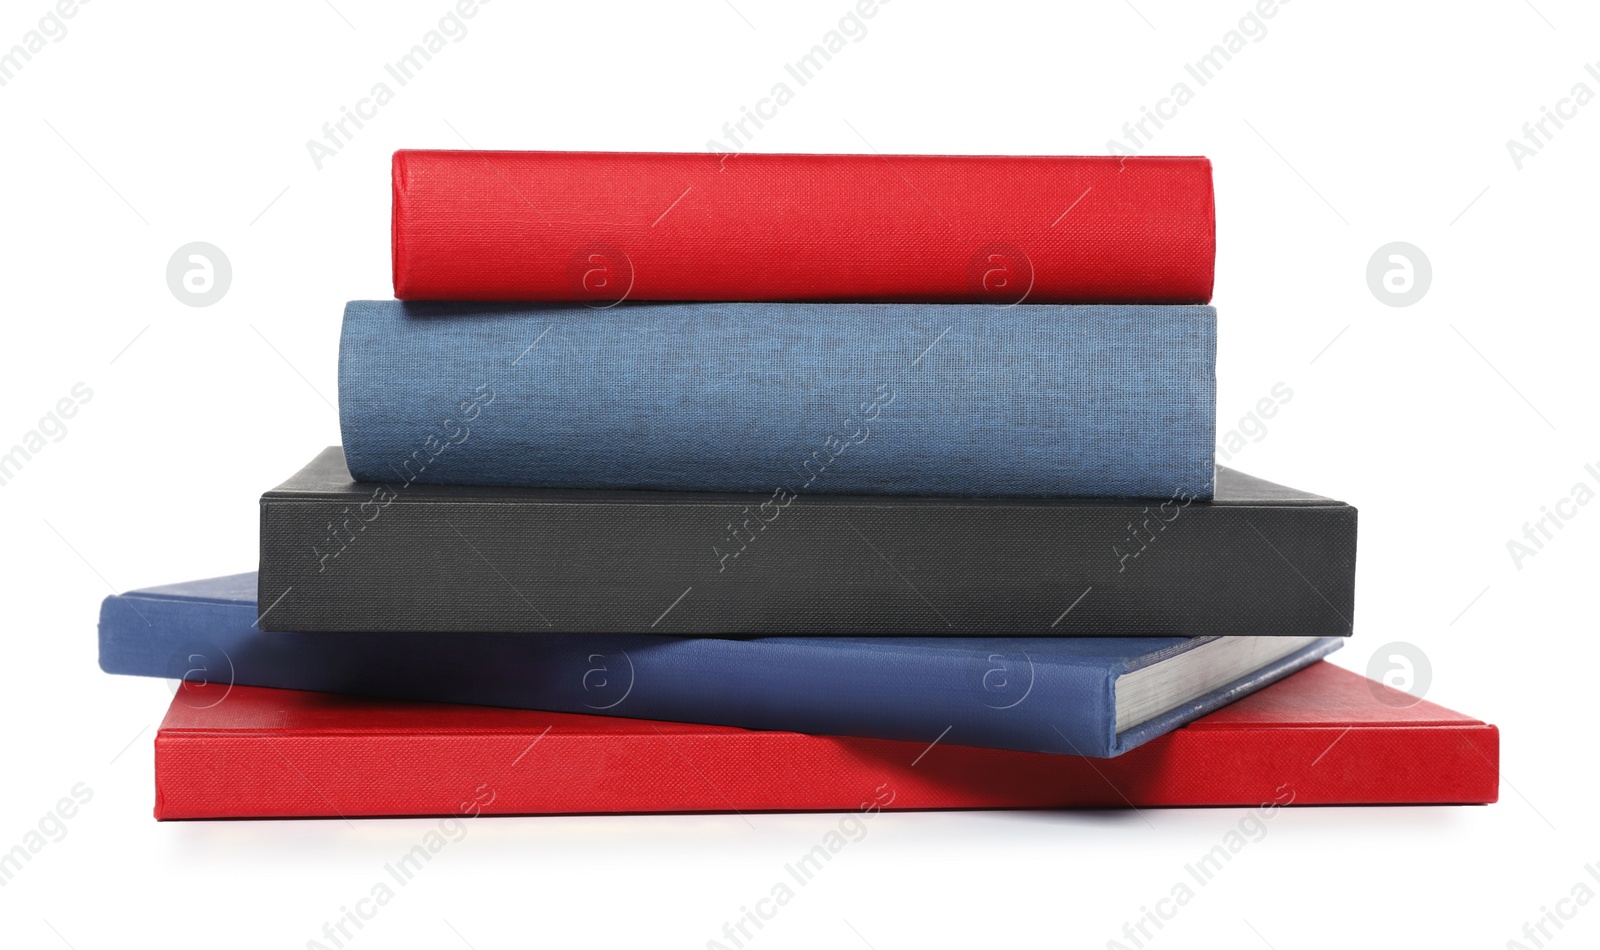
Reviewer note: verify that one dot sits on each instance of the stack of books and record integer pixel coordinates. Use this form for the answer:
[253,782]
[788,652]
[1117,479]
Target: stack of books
[783,482]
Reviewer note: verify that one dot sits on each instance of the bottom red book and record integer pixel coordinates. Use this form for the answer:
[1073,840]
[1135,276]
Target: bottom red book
[1324,736]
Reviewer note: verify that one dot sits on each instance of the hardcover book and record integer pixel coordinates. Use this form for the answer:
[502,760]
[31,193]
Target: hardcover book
[1323,736]
[1084,696]
[602,227]
[1259,559]
[784,399]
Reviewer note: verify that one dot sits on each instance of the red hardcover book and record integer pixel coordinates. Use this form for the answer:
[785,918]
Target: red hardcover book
[603,227]
[1324,736]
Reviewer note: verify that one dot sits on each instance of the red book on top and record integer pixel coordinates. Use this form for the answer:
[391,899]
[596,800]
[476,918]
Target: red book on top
[602,227]
[1324,736]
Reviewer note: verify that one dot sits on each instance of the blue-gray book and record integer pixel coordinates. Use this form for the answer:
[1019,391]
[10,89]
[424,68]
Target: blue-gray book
[1039,401]
[1071,695]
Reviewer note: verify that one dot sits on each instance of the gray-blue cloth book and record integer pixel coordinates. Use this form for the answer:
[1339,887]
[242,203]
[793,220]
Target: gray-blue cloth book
[1070,695]
[1043,401]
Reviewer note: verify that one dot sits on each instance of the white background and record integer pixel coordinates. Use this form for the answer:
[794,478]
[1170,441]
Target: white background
[1449,423]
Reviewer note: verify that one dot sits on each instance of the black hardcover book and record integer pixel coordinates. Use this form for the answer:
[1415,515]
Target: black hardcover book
[1257,560]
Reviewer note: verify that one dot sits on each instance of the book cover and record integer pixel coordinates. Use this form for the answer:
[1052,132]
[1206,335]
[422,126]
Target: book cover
[784,399]
[1045,694]
[1259,559]
[1324,736]
[602,227]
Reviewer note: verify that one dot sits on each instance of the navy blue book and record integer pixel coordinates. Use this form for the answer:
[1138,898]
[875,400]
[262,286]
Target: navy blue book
[1039,401]
[1071,695]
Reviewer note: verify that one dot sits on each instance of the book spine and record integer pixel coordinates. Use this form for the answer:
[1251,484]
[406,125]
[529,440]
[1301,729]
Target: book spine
[979,697]
[784,400]
[606,227]
[201,775]
[826,567]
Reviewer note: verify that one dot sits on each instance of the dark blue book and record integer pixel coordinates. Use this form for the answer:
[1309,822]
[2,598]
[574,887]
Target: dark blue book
[1072,695]
[1040,401]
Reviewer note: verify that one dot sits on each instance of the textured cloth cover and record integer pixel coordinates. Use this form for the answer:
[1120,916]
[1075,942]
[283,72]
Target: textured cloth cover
[604,227]
[1324,736]
[908,399]
[1257,560]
